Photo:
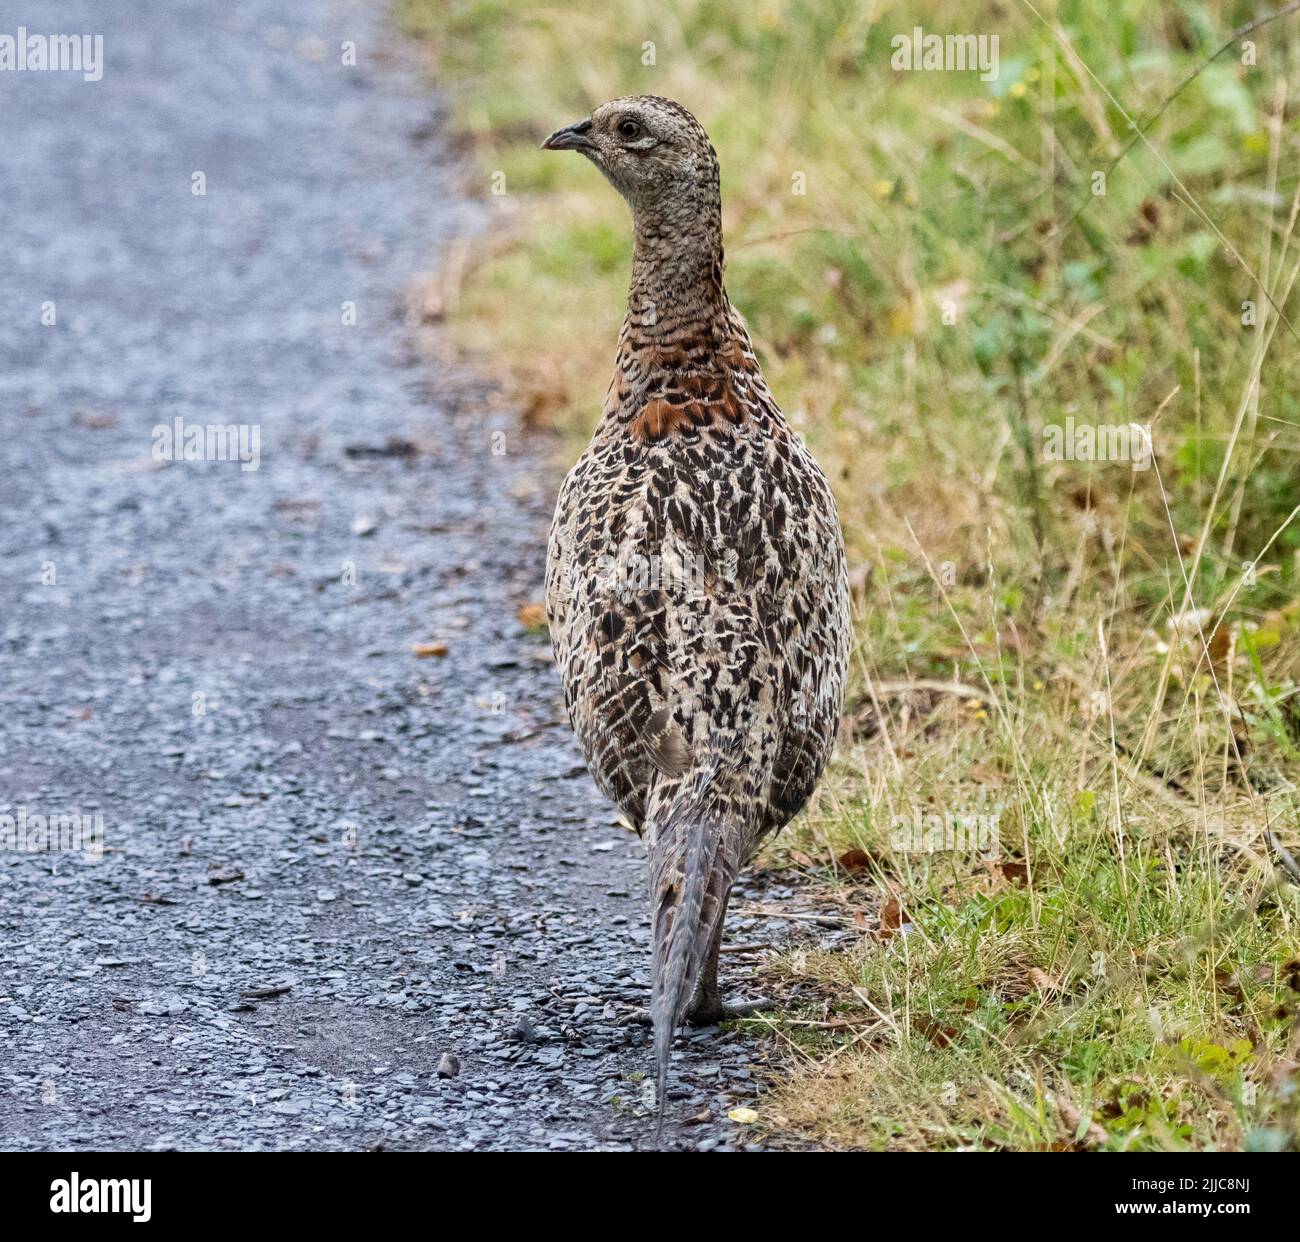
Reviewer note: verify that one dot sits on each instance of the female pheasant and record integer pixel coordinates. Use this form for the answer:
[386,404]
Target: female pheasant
[695,588]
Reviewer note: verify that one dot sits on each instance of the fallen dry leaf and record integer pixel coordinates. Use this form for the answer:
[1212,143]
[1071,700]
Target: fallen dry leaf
[531,616]
[743,1116]
[1042,981]
[940,1036]
[892,918]
[1016,872]
[424,650]
[1093,1133]
[856,860]
[1220,645]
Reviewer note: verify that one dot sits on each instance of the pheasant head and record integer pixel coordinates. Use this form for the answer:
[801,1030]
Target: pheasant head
[651,149]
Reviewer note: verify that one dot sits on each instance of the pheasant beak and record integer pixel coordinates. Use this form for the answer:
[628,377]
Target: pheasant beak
[570,138]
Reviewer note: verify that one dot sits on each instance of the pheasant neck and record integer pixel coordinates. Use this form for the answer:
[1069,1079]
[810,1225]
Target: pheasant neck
[677,295]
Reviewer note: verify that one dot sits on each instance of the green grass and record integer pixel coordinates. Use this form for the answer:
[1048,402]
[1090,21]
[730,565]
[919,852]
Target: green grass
[1105,659]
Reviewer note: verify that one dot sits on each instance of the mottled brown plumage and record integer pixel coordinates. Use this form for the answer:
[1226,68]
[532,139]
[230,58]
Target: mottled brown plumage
[696,590]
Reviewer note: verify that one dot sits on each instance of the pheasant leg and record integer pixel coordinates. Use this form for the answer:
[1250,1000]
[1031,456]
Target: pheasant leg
[709,1008]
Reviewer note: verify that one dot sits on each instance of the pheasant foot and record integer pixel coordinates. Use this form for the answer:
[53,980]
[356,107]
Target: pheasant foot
[715,1011]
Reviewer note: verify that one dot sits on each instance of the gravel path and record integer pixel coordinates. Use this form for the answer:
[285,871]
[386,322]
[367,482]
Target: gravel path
[220,661]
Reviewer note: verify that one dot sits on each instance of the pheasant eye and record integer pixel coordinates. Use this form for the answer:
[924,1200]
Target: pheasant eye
[628,128]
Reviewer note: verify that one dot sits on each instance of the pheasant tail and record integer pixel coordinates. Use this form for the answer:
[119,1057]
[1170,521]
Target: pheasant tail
[691,872]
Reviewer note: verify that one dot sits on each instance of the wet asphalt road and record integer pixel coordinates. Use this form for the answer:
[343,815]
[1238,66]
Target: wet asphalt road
[219,661]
